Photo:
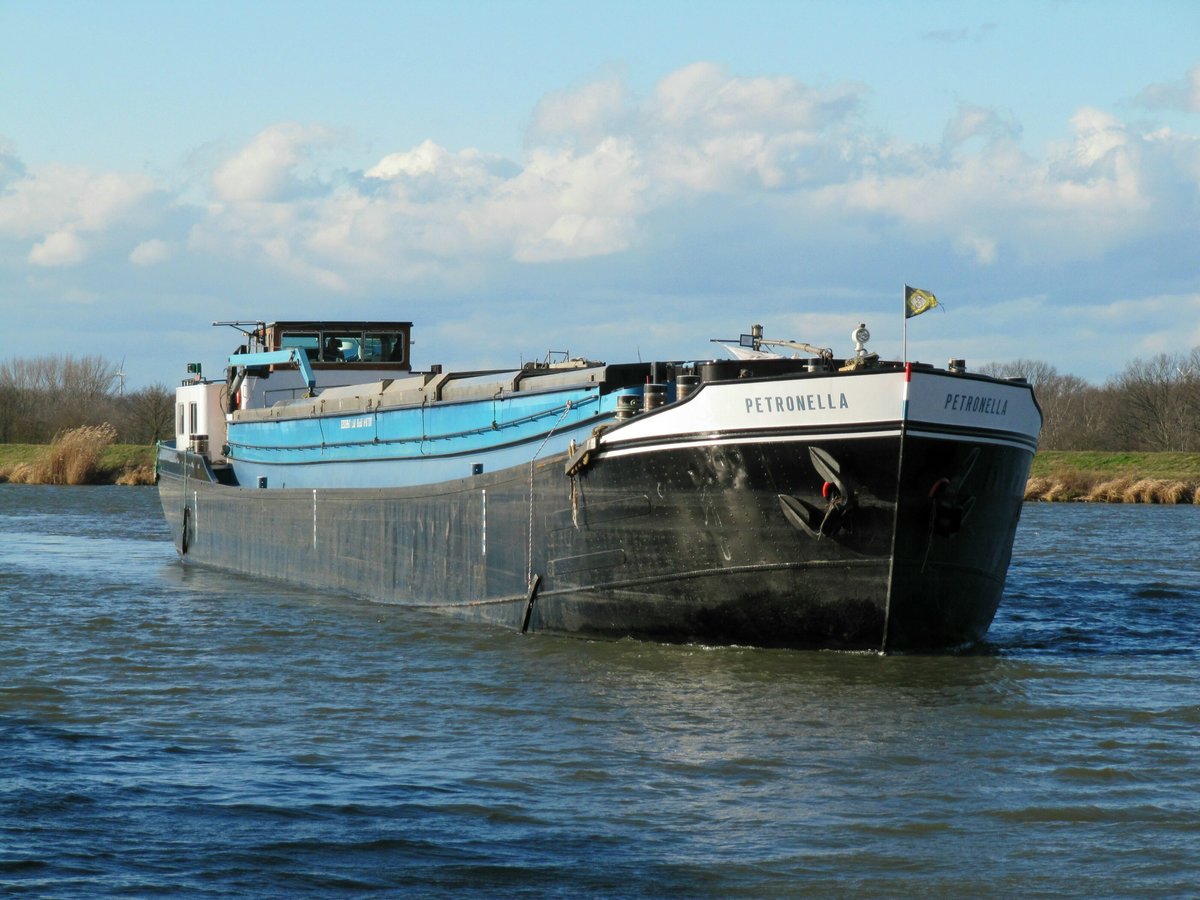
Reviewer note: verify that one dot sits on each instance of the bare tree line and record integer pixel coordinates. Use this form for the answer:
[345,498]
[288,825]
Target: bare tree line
[44,396]
[1154,404]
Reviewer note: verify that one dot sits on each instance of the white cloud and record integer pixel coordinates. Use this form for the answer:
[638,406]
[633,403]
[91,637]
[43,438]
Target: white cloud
[1092,193]
[1097,135]
[425,159]
[62,248]
[1177,308]
[704,98]
[264,170]
[40,202]
[420,213]
[979,121]
[716,192]
[584,115]
[150,253]
[1181,95]
[978,247]
[430,172]
[704,130]
[565,206]
[610,163]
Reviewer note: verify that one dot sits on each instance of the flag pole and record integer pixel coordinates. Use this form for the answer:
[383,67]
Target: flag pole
[906,323]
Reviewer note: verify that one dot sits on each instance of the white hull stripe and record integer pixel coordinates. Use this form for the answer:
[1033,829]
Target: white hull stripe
[1016,441]
[685,444]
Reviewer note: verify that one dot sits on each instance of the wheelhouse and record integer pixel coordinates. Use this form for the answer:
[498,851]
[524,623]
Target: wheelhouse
[368,345]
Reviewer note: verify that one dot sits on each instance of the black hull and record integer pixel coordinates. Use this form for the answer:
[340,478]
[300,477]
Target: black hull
[728,543]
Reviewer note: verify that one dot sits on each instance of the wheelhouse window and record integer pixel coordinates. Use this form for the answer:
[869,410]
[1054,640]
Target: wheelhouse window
[384,345]
[341,346]
[309,342]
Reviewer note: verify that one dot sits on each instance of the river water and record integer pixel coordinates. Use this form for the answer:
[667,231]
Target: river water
[170,731]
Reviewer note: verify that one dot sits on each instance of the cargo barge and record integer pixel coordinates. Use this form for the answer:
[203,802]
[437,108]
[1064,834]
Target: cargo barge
[785,497]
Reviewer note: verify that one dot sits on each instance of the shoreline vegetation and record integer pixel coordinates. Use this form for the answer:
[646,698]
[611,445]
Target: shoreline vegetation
[86,455]
[89,456]
[1092,476]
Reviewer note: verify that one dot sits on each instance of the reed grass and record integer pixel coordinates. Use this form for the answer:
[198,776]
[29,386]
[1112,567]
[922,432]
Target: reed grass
[141,474]
[1156,490]
[1064,485]
[1110,491]
[73,457]
[83,455]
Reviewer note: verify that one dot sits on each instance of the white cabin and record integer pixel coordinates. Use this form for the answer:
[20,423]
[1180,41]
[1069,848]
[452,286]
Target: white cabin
[200,418]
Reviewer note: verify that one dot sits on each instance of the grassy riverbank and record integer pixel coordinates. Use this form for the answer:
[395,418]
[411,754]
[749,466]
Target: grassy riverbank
[1057,475]
[74,463]
[1096,477]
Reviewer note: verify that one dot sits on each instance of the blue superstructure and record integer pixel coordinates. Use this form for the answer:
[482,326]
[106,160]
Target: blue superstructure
[337,404]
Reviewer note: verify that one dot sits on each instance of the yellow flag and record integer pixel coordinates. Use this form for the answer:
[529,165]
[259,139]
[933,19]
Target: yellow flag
[917,301]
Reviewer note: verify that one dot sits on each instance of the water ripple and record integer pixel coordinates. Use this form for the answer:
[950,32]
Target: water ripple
[167,730]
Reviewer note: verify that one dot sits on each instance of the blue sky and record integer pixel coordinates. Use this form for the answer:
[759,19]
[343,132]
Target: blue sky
[614,179]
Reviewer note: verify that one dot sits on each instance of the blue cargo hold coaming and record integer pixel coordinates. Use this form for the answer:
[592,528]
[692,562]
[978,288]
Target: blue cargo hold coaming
[422,444]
